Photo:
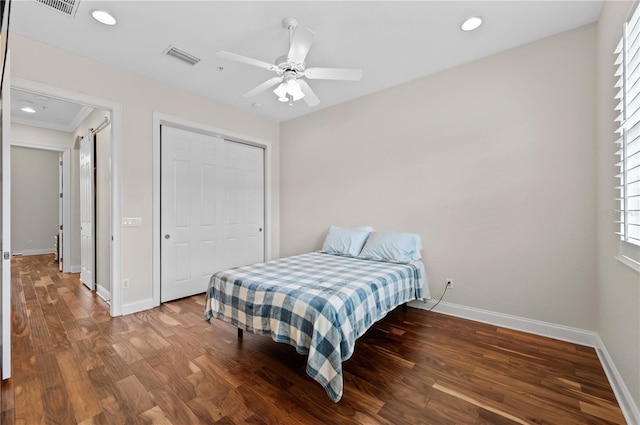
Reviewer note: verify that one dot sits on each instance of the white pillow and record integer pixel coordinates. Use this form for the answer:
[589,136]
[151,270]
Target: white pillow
[392,246]
[345,240]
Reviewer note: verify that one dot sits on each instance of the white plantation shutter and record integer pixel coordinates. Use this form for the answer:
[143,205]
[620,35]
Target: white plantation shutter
[627,84]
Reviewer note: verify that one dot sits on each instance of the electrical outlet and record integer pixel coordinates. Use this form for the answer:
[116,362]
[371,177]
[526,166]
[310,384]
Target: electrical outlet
[450,283]
[29,242]
[125,283]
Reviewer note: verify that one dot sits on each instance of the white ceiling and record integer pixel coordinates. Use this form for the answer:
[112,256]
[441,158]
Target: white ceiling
[50,112]
[391,41]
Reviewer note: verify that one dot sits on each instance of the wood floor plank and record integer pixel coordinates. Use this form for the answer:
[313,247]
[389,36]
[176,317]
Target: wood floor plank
[132,396]
[81,393]
[112,411]
[57,405]
[154,416]
[29,408]
[173,407]
[72,363]
[102,383]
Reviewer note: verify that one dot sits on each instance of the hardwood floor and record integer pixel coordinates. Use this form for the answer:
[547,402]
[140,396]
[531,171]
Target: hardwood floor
[72,363]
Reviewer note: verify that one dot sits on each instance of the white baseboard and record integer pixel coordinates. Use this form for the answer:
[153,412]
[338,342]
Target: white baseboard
[625,400]
[75,269]
[137,306]
[27,252]
[103,292]
[537,327]
[565,333]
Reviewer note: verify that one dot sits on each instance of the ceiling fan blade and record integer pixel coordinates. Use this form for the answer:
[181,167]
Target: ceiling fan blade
[309,96]
[300,45]
[333,74]
[244,59]
[262,87]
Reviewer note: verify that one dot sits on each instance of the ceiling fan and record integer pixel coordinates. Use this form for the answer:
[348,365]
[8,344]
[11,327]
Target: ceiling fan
[291,69]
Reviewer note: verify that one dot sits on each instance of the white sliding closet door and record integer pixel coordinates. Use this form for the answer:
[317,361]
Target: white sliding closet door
[243,204]
[200,198]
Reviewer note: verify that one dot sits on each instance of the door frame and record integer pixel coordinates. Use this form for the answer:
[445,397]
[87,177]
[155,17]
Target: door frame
[5,226]
[66,195]
[159,119]
[116,160]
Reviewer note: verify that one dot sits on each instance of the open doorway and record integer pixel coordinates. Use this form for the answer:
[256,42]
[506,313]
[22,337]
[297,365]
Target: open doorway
[96,125]
[40,127]
[36,196]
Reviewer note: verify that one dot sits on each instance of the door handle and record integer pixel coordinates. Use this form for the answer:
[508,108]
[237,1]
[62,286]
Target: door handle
[260,229]
[167,236]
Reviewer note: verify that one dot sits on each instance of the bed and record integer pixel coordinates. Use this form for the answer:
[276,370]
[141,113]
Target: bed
[318,302]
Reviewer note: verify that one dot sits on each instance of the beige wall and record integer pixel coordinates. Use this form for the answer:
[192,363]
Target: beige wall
[492,163]
[34,200]
[618,285]
[139,97]
[58,140]
[47,138]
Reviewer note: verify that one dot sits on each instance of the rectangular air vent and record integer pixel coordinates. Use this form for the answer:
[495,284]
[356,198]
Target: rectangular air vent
[66,7]
[182,55]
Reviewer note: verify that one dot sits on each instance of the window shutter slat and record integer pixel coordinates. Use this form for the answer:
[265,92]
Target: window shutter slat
[618,50]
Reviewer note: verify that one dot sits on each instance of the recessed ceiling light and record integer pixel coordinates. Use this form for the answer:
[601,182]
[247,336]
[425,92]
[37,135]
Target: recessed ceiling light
[103,17]
[471,23]
[28,109]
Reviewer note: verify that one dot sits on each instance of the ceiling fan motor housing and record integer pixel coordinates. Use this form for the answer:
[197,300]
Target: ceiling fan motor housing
[289,68]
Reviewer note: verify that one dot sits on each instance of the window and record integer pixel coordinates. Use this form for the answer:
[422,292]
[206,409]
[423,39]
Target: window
[628,141]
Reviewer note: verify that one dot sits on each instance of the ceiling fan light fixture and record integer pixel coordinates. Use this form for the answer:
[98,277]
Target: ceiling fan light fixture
[289,89]
[471,23]
[281,91]
[293,88]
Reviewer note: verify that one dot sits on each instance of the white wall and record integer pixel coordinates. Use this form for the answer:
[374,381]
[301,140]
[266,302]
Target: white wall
[34,200]
[492,163]
[618,307]
[139,97]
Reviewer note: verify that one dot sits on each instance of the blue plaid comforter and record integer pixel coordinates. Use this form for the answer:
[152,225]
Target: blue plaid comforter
[316,302]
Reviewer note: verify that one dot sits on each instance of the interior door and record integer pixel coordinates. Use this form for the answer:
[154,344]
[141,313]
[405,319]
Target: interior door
[5,174]
[212,209]
[87,194]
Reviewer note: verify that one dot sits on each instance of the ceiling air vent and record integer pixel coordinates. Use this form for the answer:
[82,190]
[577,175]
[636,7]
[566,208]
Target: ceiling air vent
[66,7]
[182,55]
